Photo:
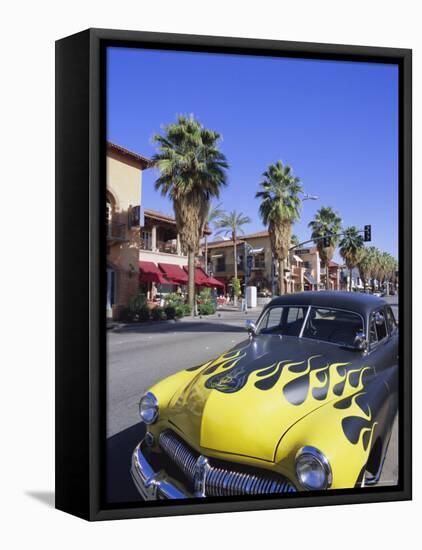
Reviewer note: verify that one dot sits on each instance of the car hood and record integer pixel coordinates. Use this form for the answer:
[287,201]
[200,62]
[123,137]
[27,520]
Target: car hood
[244,401]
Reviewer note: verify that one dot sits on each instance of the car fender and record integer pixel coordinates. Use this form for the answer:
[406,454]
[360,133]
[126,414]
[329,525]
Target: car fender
[344,434]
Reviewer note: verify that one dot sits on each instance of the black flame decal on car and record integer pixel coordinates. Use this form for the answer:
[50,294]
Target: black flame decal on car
[298,376]
[312,378]
[358,425]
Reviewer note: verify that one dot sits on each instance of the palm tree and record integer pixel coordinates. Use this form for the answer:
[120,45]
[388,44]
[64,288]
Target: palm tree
[230,223]
[279,208]
[393,272]
[214,212]
[382,268]
[364,261]
[326,222]
[374,254]
[350,245]
[391,268]
[192,172]
[294,241]
[387,268]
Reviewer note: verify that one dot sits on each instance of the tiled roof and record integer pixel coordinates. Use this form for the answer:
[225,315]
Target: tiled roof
[255,235]
[158,215]
[222,244]
[149,213]
[142,161]
[241,239]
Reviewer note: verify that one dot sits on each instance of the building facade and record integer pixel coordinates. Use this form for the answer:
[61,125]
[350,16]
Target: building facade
[302,269]
[159,246]
[162,262]
[123,196]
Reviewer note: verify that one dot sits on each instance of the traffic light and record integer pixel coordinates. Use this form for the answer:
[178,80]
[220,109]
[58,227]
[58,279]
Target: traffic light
[367,233]
[326,242]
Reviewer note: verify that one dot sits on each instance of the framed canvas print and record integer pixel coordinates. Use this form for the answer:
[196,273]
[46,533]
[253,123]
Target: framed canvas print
[233,274]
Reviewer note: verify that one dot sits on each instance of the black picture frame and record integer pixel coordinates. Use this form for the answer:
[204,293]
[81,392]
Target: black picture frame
[80,273]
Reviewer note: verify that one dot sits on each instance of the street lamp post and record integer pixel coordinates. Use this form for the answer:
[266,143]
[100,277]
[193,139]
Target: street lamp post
[247,249]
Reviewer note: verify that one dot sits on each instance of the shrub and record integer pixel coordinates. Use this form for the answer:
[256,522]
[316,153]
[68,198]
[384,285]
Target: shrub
[206,309]
[179,312]
[205,296]
[173,299]
[170,312]
[236,286]
[144,313]
[137,302]
[157,313]
[186,310]
[126,315]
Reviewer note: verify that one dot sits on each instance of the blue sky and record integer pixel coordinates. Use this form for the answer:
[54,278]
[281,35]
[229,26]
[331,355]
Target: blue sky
[335,123]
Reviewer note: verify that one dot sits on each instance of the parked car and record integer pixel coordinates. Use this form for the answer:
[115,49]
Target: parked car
[307,402]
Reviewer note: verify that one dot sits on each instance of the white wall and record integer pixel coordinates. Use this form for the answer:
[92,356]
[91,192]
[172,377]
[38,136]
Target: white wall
[162,257]
[27,390]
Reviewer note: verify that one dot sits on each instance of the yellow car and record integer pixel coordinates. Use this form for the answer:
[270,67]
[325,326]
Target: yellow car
[307,402]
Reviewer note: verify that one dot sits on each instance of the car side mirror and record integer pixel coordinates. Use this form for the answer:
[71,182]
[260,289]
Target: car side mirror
[360,343]
[251,327]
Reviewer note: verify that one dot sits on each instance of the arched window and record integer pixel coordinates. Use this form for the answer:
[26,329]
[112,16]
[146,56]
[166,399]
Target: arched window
[109,211]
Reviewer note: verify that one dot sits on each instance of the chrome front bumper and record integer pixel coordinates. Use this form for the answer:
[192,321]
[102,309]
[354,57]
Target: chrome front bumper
[152,484]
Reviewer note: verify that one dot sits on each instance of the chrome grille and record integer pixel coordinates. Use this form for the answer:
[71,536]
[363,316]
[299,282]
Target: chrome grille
[221,479]
[179,452]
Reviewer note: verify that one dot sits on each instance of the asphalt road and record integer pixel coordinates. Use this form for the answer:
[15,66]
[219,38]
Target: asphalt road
[138,357]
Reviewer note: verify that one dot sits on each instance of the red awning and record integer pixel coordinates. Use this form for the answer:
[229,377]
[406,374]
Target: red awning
[202,279]
[149,273]
[175,273]
[216,283]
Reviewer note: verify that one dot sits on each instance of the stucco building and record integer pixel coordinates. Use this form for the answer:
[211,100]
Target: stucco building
[302,271]
[123,195]
[162,262]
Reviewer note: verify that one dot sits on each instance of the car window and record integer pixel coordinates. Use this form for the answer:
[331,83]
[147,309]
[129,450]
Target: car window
[391,321]
[295,314]
[331,325]
[380,325]
[286,320]
[372,332]
[273,319]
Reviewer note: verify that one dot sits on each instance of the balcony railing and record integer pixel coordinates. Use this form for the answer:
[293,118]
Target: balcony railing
[167,246]
[145,245]
[161,246]
[229,267]
[116,231]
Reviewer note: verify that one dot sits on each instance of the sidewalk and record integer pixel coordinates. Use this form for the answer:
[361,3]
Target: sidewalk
[225,313]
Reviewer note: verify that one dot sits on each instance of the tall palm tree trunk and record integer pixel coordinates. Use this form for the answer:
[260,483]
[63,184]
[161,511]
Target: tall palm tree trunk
[206,255]
[235,266]
[191,281]
[327,276]
[281,288]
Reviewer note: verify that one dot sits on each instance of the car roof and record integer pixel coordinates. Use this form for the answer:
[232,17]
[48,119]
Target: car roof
[352,301]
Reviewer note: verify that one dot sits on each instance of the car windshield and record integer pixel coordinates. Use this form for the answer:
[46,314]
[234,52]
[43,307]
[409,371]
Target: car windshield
[333,325]
[329,325]
[283,320]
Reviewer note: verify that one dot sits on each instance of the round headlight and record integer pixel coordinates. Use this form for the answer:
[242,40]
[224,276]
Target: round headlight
[148,408]
[313,469]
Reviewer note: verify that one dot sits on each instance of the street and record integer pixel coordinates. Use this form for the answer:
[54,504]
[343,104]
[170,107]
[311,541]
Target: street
[140,356]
